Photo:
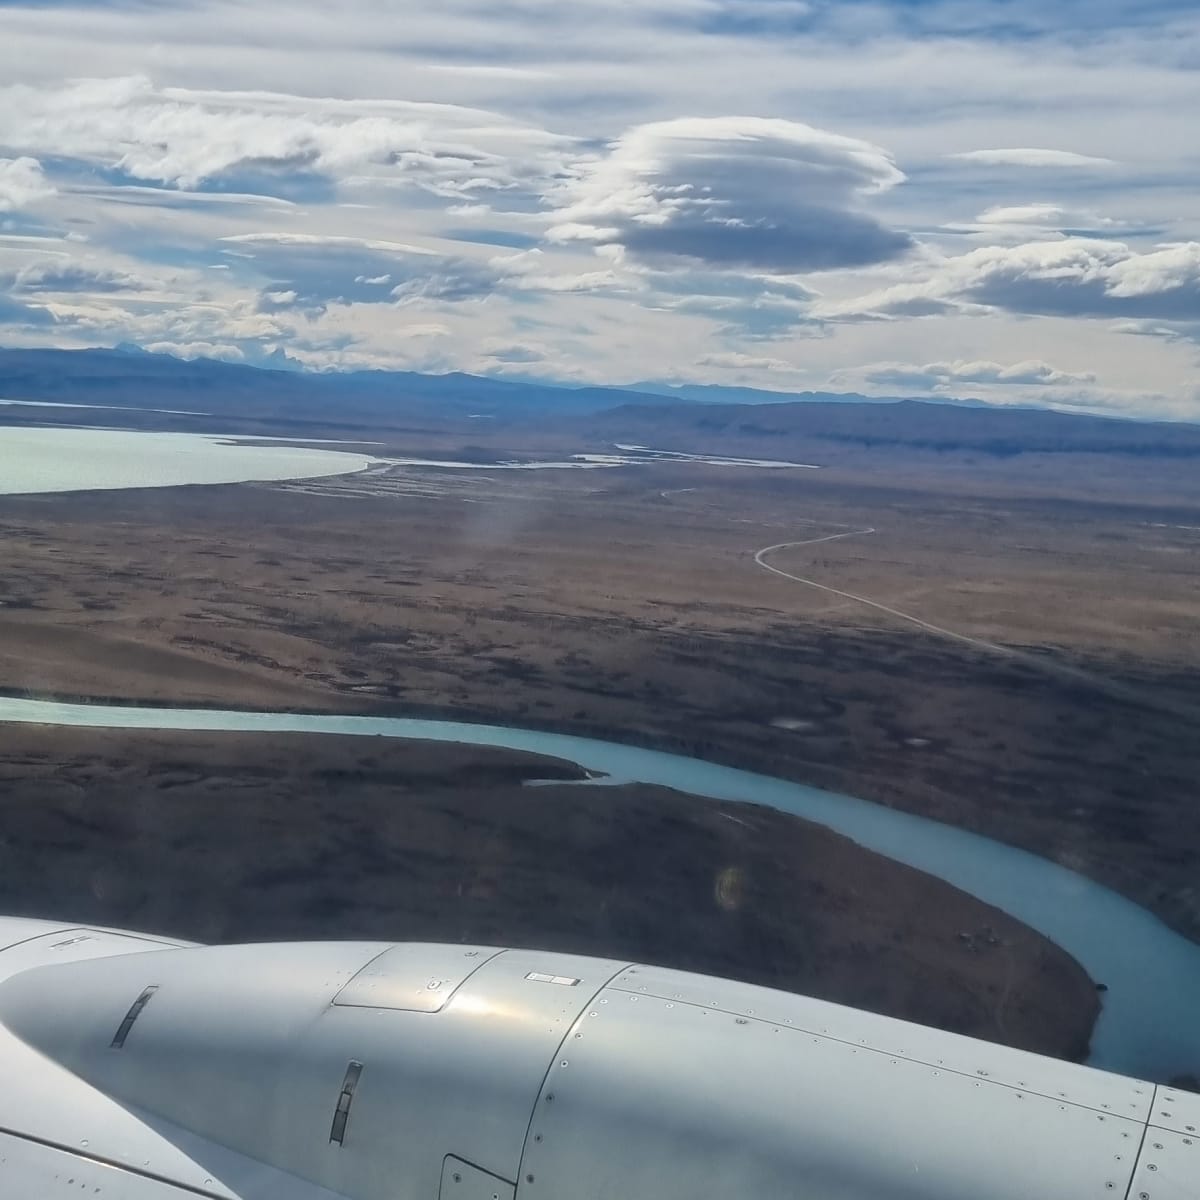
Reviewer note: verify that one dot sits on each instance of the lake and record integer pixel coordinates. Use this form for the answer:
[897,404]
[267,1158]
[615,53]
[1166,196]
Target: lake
[35,460]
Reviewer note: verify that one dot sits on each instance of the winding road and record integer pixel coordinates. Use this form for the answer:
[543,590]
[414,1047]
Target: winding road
[1111,687]
[761,555]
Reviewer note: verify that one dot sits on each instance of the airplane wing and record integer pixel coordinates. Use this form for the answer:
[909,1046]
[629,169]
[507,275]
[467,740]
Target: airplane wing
[140,1068]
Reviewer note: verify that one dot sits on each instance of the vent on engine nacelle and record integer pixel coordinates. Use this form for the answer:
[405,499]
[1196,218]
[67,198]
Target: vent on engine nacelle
[135,1011]
[341,1113]
[561,980]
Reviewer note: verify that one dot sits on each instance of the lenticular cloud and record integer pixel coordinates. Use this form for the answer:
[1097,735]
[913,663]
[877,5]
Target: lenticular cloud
[735,193]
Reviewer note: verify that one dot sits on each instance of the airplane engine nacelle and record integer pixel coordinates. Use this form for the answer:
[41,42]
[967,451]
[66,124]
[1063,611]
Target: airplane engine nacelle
[448,1072]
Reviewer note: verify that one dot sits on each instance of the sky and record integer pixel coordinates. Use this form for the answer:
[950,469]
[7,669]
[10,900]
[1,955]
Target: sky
[897,197]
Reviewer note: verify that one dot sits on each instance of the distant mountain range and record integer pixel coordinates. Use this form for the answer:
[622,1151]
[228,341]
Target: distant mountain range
[715,393]
[708,418]
[900,425]
[140,380]
[136,379]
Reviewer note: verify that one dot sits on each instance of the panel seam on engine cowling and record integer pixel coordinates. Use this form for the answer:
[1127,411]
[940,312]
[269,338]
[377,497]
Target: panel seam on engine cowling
[483,962]
[1137,1158]
[1103,1113]
[554,1058]
[45,934]
[103,1161]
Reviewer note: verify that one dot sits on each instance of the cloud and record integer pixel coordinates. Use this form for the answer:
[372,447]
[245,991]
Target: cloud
[1030,157]
[584,281]
[1040,215]
[529,270]
[229,328]
[309,272]
[16,312]
[1021,222]
[58,275]
[734,193]
[22,183]
[1074,277]
[184,137]
[945,376]
[752,306]
[329,240]
[158,197]
[733,360]
[1168,332]
[189,350]
[1023,383]
[512,352]
[451,281]
[756,17]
